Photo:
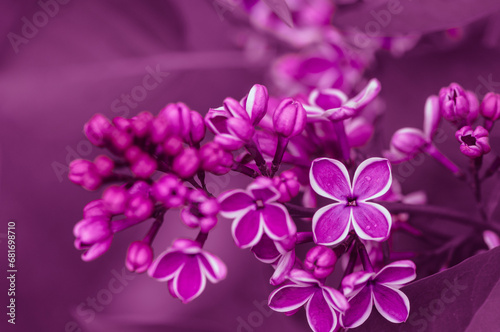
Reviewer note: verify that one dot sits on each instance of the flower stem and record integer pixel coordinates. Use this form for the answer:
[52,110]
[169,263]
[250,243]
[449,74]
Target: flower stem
[495,165]
[278,156]
[257,156]
[363,255]
[243,169]
[345,150]
[201,238]
[304,237]
[300,211]
[436,154]
[150,236]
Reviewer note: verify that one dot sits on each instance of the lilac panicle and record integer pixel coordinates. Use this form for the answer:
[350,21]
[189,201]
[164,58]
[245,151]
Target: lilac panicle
[364,289]
[289,118]
[473,143]
[329,178]
[323,304]
[255,211]
[139,257]
[185,267]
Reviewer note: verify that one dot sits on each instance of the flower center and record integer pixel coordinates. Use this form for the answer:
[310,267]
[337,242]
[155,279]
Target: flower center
[351,202]
[259,204]
[469,140]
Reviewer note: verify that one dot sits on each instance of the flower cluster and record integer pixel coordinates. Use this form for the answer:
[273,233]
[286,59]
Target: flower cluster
[299,146]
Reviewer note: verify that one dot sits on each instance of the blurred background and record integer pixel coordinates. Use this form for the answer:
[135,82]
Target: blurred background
[86,56]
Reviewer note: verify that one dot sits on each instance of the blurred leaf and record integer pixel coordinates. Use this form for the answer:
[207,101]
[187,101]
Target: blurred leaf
[465,297]
[394,17]
[281,9]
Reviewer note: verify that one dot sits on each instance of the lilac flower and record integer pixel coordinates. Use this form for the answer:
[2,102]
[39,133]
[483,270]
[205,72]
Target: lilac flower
[363,289]
[457,105]
[139,257]
[329,178]
[320,261]
[255,212]
[185,266]
[323,304]
[281,254]
[474,143]
[334,105]
[201,211]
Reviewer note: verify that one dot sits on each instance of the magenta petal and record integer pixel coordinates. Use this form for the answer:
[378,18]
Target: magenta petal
[213,267]
[167,265]
[283,268]
[266,250]
[189,282]
[432,115]
[397,273]
[320,315]
[265,194]
[335,298]
[369,93]
[290,297]
[372,178]
[329,178]
[360,308]
[247,230]
[277,221]
[331,224]
[233,202]
[97,250]
[391,303]
[371,221]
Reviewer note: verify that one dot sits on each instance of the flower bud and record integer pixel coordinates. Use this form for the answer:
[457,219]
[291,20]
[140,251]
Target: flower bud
[95,209]
[170,191]
[235,109]
[159,130]
[186,164]
[409,141]
[490,107]
[139,257]
[289,118]
[178,118]
[454,103]
[97,129]
[115,199]
[144,166]
[120,140]
[201,211]
[240,128]
[172,146]
[139,207]
[77,169]
[287,184]
[197,130]
[256,103]
[140,124]
[474,143]
[320,261]
[122,124]
[93,230]
[104,165]
[215,159]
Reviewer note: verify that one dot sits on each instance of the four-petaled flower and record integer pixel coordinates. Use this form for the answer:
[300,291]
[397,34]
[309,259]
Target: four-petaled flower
[363,289]
[185,266]
[255,212]
[329,178]
[473,143]
[323,304]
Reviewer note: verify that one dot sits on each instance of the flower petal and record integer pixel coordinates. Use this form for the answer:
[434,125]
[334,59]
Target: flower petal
[331,224]
[360,308]
[266,251]
[371,221]
[354,282]
[372,179]
[247,230]
[234,202]
[290,297]
[97,250]
[391,303]
[365,96]
[277,222]
[167,265]
[213,267]
[329,178]
[397,273]
[189,283]
[283,268]
[265,194]
[320,315]
[335,298]
[432,115]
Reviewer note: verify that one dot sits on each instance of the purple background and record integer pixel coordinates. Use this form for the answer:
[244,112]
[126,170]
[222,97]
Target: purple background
[78,64]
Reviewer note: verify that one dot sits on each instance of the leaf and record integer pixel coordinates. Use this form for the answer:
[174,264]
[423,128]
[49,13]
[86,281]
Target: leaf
[280,8]
[464,298]
[392,17]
